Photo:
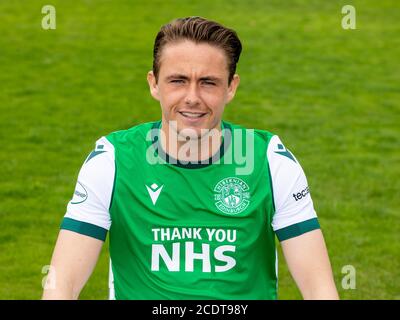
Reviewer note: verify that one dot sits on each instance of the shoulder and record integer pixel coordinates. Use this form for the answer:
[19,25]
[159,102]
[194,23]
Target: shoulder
[278,153]
[261,136]
[98,168]
[134,134]
[285,170]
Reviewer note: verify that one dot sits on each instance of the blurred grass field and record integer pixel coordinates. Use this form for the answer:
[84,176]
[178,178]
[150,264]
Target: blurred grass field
[332,95]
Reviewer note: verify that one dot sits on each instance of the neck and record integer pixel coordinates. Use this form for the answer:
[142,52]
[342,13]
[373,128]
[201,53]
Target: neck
[195,149]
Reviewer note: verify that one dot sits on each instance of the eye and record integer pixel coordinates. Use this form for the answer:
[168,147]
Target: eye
[209,83]
[177,81]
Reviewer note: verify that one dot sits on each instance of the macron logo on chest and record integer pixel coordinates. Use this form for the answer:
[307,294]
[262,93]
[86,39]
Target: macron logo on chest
[154,191]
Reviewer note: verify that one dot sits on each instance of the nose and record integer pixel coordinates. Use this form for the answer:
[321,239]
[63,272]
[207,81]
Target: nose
[192,95]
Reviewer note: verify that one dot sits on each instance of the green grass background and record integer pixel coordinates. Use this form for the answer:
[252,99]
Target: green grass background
[331,94]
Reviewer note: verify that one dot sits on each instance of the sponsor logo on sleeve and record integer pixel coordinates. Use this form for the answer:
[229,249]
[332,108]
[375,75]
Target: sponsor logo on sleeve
[80,194]
[300,195]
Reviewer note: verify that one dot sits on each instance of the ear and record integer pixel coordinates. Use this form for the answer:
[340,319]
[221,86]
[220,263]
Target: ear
[232,88]
[151,79]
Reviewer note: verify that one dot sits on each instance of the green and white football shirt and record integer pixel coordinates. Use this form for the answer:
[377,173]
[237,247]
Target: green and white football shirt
[191,231]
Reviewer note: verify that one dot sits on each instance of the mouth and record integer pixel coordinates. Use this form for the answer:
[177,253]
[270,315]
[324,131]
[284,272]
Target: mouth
[192,115]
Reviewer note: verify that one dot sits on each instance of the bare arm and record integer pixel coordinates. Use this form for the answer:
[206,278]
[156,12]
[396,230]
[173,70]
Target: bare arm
[308,262]
[73,261]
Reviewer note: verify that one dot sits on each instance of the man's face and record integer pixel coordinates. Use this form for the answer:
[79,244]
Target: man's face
[192,85]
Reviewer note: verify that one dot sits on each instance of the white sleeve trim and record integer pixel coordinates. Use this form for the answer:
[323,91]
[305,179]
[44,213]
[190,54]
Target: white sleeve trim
[293,203]
[92,196]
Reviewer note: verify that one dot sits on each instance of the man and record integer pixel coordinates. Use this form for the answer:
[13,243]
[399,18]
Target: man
[189,218]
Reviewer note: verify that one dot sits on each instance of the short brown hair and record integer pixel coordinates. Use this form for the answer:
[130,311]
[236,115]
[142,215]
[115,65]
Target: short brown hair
[198,30]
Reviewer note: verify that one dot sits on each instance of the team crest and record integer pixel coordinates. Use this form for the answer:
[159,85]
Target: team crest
[232,195]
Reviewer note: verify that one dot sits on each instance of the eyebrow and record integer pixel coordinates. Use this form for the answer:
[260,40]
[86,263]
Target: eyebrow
[183,77]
